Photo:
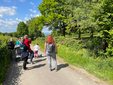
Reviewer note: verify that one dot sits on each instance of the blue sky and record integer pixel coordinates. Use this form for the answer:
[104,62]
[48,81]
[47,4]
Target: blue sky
[14,11]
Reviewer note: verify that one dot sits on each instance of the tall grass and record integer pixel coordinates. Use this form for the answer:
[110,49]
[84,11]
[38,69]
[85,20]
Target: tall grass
[103,68]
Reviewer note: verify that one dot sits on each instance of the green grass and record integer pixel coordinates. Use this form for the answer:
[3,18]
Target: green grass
[71,51]
[40,41]
[103,68]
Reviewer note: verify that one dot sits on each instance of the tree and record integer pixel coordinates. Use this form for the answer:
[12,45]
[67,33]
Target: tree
[55,12]
[35,26]
[22,29]
[104,20]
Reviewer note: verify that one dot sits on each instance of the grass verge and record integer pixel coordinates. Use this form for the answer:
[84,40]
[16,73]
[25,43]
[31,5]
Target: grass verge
[71,51]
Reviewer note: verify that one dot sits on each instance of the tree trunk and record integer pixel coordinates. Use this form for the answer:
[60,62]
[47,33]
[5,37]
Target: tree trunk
[79,34]
[64,33]
[91,36]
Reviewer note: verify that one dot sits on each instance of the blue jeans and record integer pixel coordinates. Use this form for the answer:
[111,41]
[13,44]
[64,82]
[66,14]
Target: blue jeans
[31,55]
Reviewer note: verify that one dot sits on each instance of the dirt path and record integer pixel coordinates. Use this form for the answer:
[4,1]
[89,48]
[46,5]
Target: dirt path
[39,74]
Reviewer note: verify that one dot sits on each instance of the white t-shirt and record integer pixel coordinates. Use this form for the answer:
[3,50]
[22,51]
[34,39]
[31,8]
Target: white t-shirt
[36,48]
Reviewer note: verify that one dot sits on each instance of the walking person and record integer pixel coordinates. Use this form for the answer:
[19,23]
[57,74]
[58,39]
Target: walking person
[50,51]
[31,53]
[11,48]
[26,49]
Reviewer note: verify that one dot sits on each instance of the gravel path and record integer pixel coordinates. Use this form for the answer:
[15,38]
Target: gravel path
[39,74]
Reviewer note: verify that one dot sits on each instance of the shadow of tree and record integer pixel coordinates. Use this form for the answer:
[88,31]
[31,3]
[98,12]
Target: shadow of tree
[37,66]
[62,66]
[12,76]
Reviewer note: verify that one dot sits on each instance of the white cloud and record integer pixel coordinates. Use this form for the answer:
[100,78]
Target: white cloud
[33,4]
[37,15]
[31,15]
[17,19]
[32,11]
[46,30]
[1,16]
[8,22]
[7,11]
[8,25]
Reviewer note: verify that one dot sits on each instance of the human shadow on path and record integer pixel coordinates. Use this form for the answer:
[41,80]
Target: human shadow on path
[12,76]
[36,66]
[62,66]
[41,56]
[39,60]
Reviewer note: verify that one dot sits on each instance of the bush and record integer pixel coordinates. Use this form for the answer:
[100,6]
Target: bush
[4,57]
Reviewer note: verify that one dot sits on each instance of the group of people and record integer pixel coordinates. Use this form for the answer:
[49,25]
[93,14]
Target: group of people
[23,49]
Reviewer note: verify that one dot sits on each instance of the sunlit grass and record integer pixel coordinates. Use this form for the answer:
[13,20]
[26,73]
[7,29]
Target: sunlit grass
[102,68]
[71,51]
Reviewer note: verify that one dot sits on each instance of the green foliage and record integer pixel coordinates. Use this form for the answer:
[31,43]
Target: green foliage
[40,41]
[72,51]
[69,16]
[55,13]
[22,29]
[35,26]
[4,57]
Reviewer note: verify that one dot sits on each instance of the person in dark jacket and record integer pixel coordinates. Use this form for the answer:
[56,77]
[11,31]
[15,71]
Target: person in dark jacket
[26,49]
[11,45]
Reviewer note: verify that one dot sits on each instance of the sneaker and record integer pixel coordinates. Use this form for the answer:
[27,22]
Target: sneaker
[25,68]
[27,62]
[50,69]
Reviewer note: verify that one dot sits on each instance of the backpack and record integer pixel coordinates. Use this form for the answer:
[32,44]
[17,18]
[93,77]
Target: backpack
[50,48]
[24,47]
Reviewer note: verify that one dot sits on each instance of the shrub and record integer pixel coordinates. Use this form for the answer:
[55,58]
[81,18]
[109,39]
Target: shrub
[4,57]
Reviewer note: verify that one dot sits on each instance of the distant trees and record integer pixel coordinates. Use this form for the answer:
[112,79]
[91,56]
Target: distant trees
[35,26]
[32,27]
[22,29]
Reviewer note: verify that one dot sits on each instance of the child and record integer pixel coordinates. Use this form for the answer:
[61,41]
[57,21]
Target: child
[36,50]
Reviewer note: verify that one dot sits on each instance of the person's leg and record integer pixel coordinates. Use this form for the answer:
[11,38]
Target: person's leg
[49,62]
[25,63]
[11,58]
[31,57]
[35,54]
[13,54]
[54,60]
